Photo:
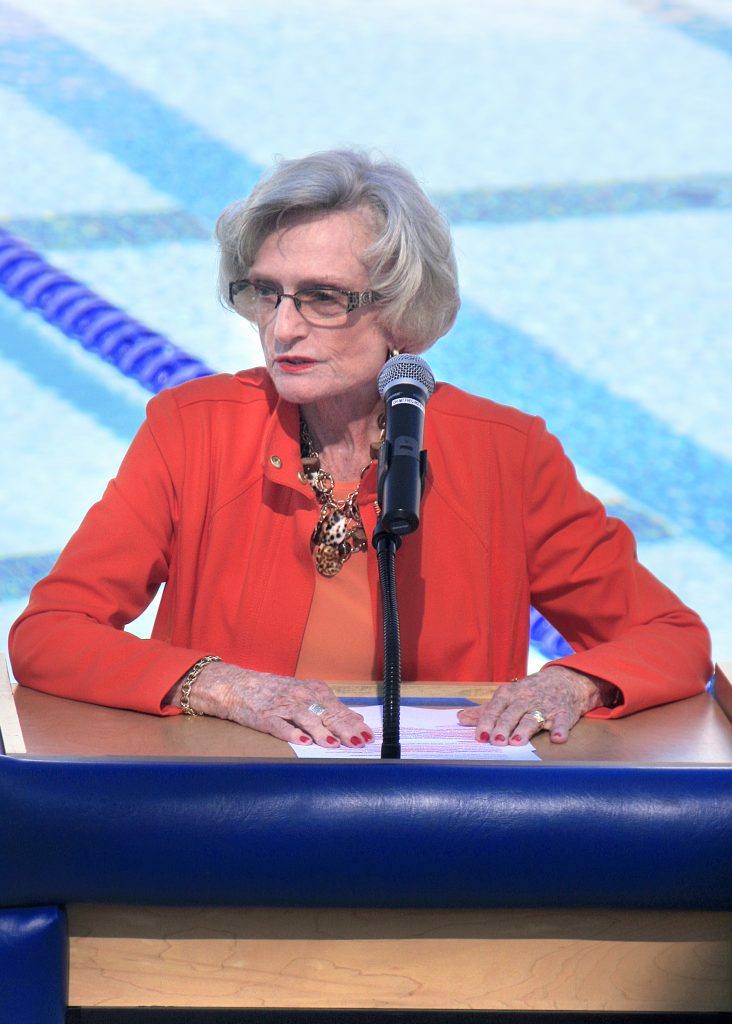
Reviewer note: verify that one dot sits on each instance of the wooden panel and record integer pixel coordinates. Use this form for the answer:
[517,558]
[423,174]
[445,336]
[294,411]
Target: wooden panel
[542,960]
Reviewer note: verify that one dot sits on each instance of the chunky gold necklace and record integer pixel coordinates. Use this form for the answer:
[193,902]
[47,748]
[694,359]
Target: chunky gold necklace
[339,531]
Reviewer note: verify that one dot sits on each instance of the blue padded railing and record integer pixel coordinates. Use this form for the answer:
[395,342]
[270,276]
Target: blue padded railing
[101,327]
[294,834]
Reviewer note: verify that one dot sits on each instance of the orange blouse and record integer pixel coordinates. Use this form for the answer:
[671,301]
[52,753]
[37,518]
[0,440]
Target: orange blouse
[339,641]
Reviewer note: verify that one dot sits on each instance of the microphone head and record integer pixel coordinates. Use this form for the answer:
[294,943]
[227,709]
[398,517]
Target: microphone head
[406,369]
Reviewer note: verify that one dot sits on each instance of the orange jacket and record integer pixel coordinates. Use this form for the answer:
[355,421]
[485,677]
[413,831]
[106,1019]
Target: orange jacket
[208,501]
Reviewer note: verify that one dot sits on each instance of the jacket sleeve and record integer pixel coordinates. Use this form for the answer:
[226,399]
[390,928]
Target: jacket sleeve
[623,624]
[70,640]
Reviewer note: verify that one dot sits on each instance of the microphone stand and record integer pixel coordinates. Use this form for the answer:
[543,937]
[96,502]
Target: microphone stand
[387,542]
[386,545]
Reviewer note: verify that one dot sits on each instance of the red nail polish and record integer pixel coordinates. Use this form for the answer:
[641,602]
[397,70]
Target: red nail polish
[331,739]
[501,739]
[305,739]
[356,741]
[516,738]
[484,737]
[557,735]
[367,736]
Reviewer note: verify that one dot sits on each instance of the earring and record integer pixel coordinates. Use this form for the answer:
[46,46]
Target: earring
[392,352]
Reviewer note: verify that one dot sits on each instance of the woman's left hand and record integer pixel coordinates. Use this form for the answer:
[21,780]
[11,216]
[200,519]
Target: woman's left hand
[555,698]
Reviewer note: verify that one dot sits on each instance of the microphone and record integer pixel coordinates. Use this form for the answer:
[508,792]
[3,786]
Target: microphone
[405,383]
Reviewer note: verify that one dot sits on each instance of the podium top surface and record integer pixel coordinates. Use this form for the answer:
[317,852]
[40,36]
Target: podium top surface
[693,731]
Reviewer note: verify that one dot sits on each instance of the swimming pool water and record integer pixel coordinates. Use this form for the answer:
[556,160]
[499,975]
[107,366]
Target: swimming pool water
[581,150]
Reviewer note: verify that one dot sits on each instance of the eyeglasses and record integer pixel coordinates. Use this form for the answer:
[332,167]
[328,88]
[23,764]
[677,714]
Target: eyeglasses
[316,305]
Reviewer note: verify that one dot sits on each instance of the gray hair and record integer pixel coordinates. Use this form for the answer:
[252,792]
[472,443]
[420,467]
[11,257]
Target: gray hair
[411,262]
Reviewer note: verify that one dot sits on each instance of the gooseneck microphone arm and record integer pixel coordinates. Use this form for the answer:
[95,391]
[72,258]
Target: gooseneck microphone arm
[405,384]
[386,545]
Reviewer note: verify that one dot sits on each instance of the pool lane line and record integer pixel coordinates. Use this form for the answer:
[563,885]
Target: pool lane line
[548,203]
[689,20]
[586,200]
[112,114]
[613,436]
[126,229]
[27,347]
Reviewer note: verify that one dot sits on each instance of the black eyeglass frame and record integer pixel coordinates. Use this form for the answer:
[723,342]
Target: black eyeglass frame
[355,299]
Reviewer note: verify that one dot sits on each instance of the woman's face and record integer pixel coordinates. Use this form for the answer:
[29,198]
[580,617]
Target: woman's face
[315,363]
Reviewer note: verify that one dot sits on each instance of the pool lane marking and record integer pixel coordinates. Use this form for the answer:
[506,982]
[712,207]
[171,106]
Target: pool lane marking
[667,472]
[130,228]
[24,343]
[112,114]
[690,21]
[587,200]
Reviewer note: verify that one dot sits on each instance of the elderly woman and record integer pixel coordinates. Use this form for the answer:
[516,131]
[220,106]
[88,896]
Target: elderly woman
[251,498]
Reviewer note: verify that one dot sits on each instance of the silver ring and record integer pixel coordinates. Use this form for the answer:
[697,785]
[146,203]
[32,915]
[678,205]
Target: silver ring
[316,709]
[538,717]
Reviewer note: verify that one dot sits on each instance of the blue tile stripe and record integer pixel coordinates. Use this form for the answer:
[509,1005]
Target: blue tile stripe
[115,116]
[701,26]
[19,573]
[557,202]
[688,485]
[24,345]
[465,206]
[107,230]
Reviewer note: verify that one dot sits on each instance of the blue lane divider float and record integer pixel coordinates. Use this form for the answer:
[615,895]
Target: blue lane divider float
[99,326]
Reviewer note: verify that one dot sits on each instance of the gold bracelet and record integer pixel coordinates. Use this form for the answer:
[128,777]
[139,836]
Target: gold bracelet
[191,676]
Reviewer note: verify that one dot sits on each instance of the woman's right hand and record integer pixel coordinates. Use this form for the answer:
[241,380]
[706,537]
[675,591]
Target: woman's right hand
[275,704]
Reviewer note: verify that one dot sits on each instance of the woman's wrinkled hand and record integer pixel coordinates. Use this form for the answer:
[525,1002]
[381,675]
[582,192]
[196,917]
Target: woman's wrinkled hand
[278,705]
[559,694]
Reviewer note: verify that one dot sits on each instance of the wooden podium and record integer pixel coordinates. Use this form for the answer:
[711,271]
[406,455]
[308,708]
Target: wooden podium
[480,960]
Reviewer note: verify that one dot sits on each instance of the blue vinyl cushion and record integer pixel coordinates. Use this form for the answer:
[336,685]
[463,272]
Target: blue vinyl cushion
[33,965]
[365,834]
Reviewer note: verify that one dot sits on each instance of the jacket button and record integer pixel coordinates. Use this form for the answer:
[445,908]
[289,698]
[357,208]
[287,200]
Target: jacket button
[276,461]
